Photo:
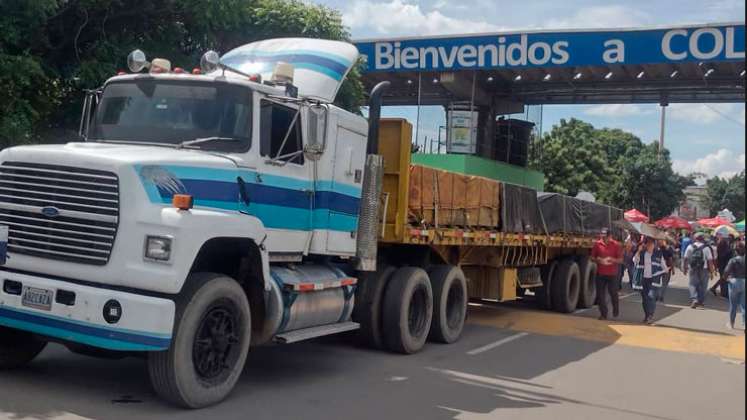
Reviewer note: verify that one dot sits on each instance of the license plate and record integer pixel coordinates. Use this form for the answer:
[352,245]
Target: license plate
[37,298]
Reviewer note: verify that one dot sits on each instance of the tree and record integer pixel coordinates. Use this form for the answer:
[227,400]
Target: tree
[616,166]
[571,160]
[52,49]
[726,193]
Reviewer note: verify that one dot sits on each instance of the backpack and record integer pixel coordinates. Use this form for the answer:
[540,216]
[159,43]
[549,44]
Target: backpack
[697,259]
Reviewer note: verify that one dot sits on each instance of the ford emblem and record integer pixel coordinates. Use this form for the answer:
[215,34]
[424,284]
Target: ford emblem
[50,211]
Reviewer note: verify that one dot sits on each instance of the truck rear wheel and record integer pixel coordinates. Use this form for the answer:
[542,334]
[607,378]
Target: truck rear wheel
[18,348]
[588,293]
[211,340]
[543,294]
[449,303]
[408,310]
[565,286]
[368,306]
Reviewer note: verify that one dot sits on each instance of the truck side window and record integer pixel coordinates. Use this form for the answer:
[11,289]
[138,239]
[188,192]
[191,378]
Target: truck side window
[275,121]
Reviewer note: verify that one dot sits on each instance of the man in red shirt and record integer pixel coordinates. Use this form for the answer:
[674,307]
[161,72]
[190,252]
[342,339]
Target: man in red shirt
[607,254]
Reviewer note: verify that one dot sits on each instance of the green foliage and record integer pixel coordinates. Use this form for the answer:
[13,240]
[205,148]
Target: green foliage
[723,193]
[614,165]
[50,50]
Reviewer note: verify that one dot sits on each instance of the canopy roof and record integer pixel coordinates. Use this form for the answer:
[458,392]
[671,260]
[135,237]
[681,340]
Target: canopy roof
[699,63]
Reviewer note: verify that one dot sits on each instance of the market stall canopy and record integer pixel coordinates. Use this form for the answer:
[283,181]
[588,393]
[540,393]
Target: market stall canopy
[635,215]
[713,223]
[673,222]
[725,230]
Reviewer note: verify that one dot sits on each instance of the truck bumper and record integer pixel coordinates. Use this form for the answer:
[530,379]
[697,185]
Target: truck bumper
[140,323]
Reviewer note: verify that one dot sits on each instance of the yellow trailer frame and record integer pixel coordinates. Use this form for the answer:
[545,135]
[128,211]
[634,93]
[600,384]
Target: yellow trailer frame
[479,247]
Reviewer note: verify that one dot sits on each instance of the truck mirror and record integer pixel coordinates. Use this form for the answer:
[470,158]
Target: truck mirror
[90,102]
[316,131]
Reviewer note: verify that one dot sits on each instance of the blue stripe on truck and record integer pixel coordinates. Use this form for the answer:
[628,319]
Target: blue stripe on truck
[84,333]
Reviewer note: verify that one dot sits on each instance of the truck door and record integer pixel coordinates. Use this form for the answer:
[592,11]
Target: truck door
[282,193]
[343,197]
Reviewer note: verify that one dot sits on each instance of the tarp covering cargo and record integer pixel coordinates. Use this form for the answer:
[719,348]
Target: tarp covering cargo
[520,212]
[443,199]
[563,214]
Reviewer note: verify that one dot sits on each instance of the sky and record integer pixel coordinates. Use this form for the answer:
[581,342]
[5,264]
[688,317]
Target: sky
[707,138]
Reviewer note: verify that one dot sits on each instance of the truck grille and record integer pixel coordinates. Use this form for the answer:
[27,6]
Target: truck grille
[59,212]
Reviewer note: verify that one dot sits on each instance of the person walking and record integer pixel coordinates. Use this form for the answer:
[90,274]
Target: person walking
[650,266]
[668,254]
[685,242]
[734,272]
[607,254]
[629,250]
[723,256]
[697,264]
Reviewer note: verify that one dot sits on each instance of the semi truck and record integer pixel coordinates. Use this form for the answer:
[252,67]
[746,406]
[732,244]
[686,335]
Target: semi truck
[213,210]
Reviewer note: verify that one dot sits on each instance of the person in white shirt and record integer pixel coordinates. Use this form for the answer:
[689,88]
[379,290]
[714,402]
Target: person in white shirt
[698,265]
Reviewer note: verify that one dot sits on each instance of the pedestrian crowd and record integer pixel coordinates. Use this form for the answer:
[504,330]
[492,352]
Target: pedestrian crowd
[650,264]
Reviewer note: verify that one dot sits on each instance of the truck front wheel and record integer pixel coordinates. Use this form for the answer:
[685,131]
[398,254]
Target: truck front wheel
[449,303]
[210,344]
[408,310]
[18,348]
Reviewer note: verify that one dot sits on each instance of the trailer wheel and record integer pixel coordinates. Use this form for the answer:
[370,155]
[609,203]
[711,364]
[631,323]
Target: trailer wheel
[408,310]
[543,294]
[18,348]
[211,340]
[565,286]
[368,306]
[449,303]
[588,293]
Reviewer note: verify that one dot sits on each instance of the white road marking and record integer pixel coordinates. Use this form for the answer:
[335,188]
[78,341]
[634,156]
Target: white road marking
[500,342]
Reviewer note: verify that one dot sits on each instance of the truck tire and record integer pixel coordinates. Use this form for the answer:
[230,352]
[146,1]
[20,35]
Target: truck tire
[408,310]
[543,294]
[367,309]
[449,303]
[212,333]
[588,292]
[18,348]
[565,286]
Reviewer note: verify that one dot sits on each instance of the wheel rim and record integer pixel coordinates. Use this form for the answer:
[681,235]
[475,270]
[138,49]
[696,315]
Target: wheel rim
[216,343]
[417,313]
[454,306]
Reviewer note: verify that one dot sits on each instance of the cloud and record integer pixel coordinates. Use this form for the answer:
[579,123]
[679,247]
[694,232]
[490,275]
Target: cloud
[397,17]
[612,16]
[616,110]
[723,162]
[706,113]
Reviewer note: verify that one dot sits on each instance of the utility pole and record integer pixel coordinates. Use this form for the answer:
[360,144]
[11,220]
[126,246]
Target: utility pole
[662,131]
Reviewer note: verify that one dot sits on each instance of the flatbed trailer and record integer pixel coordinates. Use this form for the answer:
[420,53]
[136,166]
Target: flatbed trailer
[496,265]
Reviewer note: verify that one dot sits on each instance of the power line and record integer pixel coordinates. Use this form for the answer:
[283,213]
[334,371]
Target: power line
[724,115]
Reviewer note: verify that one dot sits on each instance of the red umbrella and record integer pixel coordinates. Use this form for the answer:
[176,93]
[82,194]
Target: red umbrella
[714,222]
[635,216]
[673,222]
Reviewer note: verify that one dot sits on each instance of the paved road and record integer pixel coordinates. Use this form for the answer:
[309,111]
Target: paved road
[513,362]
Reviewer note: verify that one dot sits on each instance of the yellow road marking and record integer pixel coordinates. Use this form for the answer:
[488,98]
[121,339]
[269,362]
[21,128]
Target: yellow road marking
[654,337]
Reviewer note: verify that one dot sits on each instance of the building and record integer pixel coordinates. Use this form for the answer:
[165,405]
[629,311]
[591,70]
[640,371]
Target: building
[693,208]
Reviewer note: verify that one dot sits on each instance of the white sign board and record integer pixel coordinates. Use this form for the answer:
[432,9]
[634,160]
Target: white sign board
[461,136]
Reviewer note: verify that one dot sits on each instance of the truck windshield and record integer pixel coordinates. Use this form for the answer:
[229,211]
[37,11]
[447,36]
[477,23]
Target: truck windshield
[174,112]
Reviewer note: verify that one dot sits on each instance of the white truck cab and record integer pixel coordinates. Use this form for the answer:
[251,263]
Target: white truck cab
[204,212]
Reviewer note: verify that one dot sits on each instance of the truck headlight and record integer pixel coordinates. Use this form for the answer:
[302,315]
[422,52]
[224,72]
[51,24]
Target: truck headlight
[157,248]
